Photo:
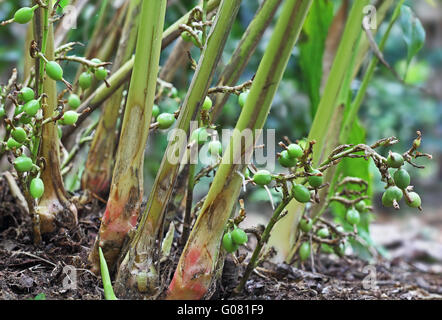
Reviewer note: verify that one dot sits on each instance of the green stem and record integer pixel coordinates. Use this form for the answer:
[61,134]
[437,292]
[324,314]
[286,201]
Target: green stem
[264,238]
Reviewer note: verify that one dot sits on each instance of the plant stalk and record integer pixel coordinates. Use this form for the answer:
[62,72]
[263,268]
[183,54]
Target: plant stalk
[141,256]
[53,205]
[126,190]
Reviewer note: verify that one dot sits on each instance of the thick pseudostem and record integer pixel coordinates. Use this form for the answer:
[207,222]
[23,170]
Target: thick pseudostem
[138,271]
[126,191]
[98,171]
[196,270]
[53,208]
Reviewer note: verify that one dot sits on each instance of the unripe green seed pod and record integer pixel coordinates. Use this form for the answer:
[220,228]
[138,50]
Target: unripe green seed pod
[360,206]
[239,236]
[155,111]
[85,80]
[295,151]
[36,188]
[25,119]
[326,248]
[415,200]
[173,93]
[19,134]
[306,224]
[262,177]
[395,160]
[74,101]
[393,193]
[18,109]
[199,33]
[215,147]
[228,244]
[301,193]
[101,73]
[31,107]
[24,15]
[401,178]
[69,118]
[315,181]
[247,173]
[303,144]
[386,200]
[199,135]
[54,71]
[340,228]
[242,98]
[207,104]
[286,161]
[340,249]
[26,94]
[186,36]
[96,60]
[304,251]
[23,164]
[11,144]
[323,233]
[353,216]
[165,120]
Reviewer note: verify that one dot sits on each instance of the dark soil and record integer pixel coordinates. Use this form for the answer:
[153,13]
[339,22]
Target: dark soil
[27,270]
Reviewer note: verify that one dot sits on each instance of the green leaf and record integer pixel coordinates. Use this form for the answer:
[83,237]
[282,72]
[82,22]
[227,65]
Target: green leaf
[413,32]
[312,50]
[105,277]
[40,296]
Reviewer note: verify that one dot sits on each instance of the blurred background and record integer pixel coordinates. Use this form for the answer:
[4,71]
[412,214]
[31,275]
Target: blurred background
[390,109]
